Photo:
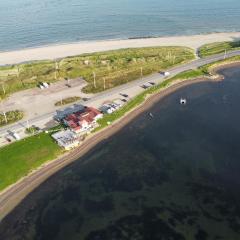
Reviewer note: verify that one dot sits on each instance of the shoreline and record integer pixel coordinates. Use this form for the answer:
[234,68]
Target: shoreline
[14,194]
[56,51]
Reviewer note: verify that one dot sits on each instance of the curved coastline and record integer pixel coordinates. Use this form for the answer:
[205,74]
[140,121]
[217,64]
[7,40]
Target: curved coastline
[14,194]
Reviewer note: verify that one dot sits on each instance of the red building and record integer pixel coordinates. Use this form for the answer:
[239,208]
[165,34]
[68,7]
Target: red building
[83,120]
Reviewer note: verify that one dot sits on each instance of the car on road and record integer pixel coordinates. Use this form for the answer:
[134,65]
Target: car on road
[85,99]
[166,74]
[36,128]
[16,136]
[8,139]
[124,95]
[144,86]
[124,100]
[152,83]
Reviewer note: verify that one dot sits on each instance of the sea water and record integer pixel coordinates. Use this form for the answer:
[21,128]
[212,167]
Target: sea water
[31,23]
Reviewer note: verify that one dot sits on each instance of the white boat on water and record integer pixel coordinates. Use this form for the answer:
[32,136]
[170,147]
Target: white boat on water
[183,101]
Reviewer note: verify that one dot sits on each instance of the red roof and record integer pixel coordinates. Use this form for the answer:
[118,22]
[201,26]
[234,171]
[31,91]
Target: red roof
[76,120]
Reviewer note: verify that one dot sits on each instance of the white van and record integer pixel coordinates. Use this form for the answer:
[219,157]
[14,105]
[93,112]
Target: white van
[166,74]
[16,136]
[45,85]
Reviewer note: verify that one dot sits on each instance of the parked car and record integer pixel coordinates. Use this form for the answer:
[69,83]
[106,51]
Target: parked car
[166,74]
[145,86]
[16,136]
[124,95]
[152,83]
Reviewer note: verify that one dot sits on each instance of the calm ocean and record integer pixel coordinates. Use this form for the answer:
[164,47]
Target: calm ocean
[29,23]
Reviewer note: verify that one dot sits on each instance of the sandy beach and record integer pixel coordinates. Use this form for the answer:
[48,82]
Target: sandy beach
[71,49]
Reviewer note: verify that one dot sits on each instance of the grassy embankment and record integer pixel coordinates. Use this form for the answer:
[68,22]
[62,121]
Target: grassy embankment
[11,116]
[218,47]
[19,158]
[41,148]
[112,67]
[67,101]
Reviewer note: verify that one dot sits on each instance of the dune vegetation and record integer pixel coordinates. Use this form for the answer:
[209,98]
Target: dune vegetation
[218,47]
[102,70]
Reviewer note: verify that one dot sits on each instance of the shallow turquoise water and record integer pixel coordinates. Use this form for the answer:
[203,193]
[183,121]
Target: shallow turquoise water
[28,23]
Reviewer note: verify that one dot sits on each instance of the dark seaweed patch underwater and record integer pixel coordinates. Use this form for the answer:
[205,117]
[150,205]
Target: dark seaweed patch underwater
[175,176]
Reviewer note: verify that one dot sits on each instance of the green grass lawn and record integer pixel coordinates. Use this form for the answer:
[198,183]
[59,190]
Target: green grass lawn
[218,47]
[111,68]
[19,158]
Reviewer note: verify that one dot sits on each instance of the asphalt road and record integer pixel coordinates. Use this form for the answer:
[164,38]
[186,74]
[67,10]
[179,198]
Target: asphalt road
[128,88]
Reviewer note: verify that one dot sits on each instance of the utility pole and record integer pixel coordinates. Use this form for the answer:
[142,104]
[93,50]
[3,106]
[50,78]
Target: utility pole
[56,69]
[5,117]
[225,54]
[174,57]
[3,88]
[28,124]
[141,72]
[17,71]
[104,83]
[94,80]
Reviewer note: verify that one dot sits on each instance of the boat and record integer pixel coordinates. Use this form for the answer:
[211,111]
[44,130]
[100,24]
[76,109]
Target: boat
[183,101]
[151,115]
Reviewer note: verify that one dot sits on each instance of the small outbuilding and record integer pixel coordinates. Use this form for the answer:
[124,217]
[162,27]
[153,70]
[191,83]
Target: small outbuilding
[66,139]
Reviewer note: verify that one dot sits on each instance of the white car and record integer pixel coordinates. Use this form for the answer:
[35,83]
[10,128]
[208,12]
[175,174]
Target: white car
[45,85]
[16,136]
[166,74]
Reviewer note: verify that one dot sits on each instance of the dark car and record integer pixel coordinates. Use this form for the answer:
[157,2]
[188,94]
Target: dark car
[124,100]
[85,99]
[145,86]
[152,83]
[124,95]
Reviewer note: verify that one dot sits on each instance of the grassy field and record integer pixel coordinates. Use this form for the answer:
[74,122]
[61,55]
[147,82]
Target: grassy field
[19,158]
[110,68]
[11,116]
[218,47]
[67,101]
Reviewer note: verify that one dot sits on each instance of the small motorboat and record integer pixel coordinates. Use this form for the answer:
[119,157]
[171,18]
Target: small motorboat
[151,115]
[183,101]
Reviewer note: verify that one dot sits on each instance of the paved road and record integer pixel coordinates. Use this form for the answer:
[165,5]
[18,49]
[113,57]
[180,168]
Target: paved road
[131,88]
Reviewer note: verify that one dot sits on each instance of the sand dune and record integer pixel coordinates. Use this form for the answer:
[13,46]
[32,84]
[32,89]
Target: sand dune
[71,49]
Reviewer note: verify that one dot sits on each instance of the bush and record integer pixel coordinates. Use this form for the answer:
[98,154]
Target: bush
[11,116]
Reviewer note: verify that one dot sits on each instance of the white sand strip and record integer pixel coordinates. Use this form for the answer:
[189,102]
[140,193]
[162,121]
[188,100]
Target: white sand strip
[71,49]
